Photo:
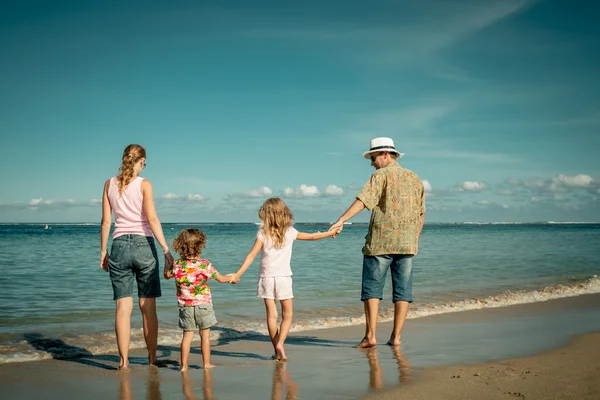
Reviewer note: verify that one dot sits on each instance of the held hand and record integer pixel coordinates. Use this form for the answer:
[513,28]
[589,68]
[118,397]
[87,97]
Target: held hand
[104,261]
[167,272]
[168,259]
[337,227]
[233,279]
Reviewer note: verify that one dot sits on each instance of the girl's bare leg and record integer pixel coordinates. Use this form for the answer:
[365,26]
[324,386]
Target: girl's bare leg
[150,322]
[205,343]
[186,344]
[271,308]
[284,329]
[123,311]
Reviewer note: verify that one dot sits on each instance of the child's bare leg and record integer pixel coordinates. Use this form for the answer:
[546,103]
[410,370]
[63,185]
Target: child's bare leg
[123,311]
[271,308]
[186,344]
[205,343]
[150,323]
[286,324]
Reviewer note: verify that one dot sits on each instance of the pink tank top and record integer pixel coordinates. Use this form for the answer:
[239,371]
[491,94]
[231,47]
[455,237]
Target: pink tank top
[128,208]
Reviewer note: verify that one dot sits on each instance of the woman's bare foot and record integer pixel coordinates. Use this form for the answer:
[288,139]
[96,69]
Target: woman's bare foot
[366,343]
[183,368]
[124,368]
[280,353]
[393,342]
[209,366]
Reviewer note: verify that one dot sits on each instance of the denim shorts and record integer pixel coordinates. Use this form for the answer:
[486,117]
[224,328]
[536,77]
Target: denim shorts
[134,255]
[201,316]
[375,270]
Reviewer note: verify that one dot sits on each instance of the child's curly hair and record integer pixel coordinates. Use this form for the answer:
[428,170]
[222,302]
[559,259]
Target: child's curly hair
[189,243]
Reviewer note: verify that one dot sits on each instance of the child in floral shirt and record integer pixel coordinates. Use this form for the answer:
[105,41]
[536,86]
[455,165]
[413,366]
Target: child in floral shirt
[192,274]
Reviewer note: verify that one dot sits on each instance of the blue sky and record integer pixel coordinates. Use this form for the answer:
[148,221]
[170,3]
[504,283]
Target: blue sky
[495,104]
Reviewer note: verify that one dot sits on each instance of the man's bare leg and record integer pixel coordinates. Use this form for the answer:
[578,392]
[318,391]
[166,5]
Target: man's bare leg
[400,311]
[371,314]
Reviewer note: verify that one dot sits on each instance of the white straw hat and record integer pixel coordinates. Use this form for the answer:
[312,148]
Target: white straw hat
[382,144]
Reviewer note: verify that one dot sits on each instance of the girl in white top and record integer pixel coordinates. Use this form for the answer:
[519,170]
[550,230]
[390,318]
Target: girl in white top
[274,240]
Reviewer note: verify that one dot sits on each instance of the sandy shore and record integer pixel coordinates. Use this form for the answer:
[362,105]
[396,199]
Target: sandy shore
[450,356]
[570,372]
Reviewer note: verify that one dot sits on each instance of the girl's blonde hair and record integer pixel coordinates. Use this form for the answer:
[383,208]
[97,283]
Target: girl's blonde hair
[189,243]
[131,155]
[276,218]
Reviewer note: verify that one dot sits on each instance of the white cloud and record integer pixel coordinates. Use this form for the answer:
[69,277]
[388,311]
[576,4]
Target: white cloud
[580,180]
[333,190]
[427,186]
[262,191]
[196,198]
[473,186]
[302,191]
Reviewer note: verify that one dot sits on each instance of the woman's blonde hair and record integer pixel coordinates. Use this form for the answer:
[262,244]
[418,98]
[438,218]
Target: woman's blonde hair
[276,218]
[131,155]
[189,243]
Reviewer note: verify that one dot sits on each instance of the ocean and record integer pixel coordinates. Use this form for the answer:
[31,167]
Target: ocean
[57,302]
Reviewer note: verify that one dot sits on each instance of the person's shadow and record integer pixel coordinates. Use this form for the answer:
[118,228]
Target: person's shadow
[58,349]
[282,378]
[152,385]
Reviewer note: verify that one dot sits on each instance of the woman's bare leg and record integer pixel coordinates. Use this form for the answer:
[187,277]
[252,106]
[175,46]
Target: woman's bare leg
[123,311]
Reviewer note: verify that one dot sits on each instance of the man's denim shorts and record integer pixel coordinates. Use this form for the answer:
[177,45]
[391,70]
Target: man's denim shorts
[375,270]
[134,255]
[201,316]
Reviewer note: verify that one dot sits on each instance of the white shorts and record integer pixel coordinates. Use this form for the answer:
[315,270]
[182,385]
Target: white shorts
[278,288]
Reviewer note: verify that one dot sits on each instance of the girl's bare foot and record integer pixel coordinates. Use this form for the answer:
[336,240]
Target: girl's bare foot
[124,368]
[365,343]
[209,366]
[393,342]
[280,353]
[183,368]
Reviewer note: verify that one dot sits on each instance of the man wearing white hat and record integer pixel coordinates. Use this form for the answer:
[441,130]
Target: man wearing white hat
[396,198]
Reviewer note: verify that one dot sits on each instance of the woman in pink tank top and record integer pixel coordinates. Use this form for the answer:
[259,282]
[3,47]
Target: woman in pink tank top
[133,252]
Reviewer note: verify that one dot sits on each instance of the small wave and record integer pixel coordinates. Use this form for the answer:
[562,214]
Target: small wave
[36,347]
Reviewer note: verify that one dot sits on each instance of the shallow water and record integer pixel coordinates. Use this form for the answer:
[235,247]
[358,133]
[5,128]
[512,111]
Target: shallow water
[51,283]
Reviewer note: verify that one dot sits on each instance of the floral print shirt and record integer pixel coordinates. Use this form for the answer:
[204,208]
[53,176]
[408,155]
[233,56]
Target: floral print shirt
[191,277]
[396,198]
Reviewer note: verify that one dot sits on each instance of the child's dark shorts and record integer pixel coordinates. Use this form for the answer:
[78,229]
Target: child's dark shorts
[134,256]
[201,316]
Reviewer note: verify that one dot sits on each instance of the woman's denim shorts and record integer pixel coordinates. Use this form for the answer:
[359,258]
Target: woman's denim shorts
[134,255]
[375,269]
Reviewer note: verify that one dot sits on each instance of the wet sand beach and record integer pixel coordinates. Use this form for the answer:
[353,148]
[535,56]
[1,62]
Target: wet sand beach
[452,355]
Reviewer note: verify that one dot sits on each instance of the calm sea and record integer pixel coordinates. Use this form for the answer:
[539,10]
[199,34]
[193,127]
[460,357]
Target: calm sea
[55,298]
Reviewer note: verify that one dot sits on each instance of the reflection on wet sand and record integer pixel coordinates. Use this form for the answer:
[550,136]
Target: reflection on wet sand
[280,378]
[376,372]
[188,391]
[152,385]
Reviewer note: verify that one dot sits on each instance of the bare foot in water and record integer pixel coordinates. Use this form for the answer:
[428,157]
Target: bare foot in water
[209,366]
[183,368]
[366,343]
[280,353]
[393,342]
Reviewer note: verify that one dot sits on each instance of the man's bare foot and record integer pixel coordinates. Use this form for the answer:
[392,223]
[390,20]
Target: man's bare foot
[183,368]
[209,366]
[393,342]
[366,343]
[280,353]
